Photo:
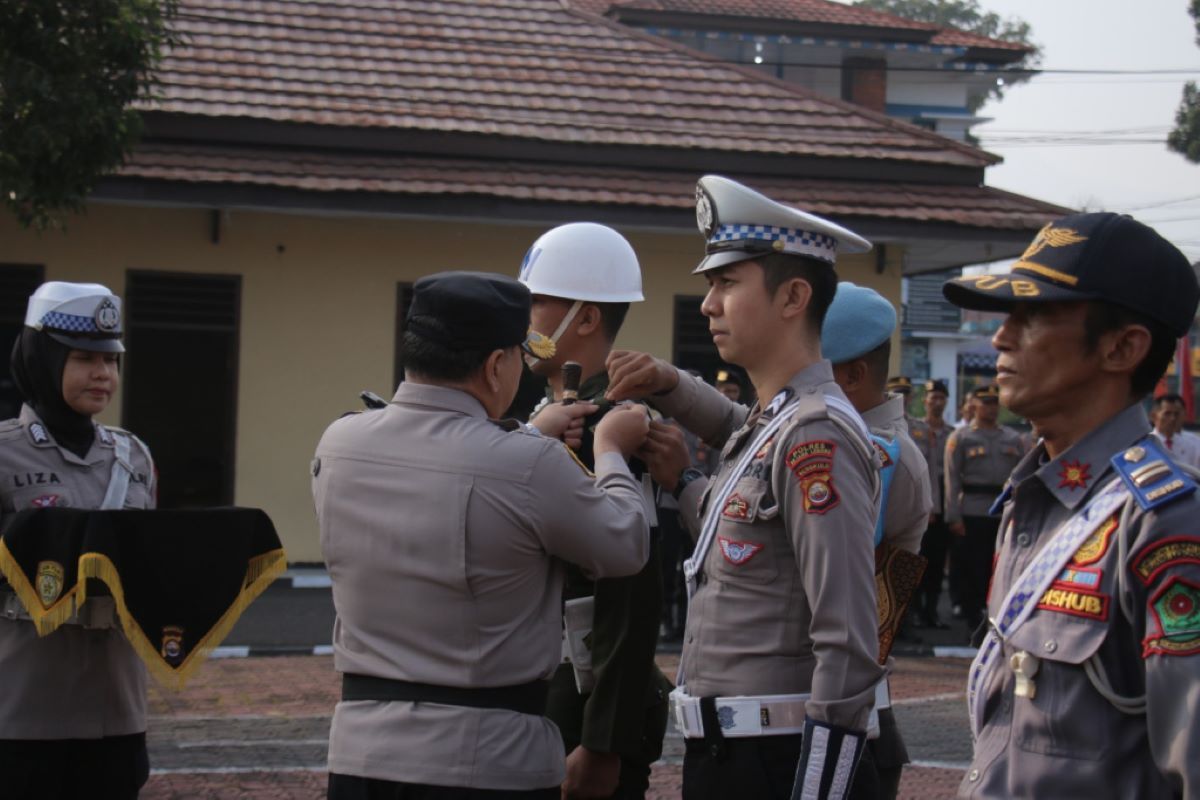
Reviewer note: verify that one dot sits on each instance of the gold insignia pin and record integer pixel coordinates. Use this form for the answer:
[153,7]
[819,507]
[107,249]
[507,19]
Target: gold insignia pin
[539,346]
[1135,454]
[1050,236]
[50,576]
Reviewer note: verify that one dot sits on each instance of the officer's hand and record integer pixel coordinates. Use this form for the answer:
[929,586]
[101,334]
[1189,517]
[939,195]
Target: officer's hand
[632,376]
[622,430]
[665,453]
[957,528]
[591,774]
[563,422]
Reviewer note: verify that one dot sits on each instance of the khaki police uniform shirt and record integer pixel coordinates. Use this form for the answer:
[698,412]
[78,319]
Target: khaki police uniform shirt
[978,462]
[786,603]
[441,532]
[935,455]
[906,511]
[74,683]
[1129,603]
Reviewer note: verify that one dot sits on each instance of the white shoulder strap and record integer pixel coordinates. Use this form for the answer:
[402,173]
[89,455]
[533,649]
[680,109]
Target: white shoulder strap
[118,480]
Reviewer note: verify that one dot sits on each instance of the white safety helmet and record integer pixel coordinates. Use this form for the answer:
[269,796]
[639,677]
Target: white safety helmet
[583,261]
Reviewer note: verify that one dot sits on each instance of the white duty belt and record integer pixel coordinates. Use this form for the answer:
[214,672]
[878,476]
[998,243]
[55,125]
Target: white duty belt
[756,715]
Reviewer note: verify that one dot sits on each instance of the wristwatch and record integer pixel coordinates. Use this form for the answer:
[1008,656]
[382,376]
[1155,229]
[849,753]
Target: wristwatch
[687,476]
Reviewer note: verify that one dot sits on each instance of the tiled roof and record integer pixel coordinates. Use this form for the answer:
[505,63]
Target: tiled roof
[822,12]
[414,176]
[526,69]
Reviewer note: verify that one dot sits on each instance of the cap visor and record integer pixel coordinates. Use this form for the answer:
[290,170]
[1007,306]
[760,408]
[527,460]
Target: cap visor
[1002,292]
[86,343]
[725,259]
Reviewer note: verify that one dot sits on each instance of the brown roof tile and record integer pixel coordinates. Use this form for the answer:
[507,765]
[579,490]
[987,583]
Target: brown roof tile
[971,206]
[530,69]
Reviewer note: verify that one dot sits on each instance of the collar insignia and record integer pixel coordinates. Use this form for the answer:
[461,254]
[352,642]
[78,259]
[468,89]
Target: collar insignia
[1074,475]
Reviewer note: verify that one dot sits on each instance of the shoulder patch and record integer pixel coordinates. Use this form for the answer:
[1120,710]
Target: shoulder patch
[1076,602]
[814,453]
[1096,545]
[1151,476]
[1176,609]
[1159,556]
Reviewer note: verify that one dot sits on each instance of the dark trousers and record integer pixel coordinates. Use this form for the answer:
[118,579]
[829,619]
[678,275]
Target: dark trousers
[979,551]
[676,546]
[112,768]
[759,767]
[353,787]
[934,545]
[882,762]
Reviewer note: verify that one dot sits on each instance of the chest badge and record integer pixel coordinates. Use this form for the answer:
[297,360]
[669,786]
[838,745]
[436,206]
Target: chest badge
[1096,545]
[48,501]
[736,507]
[50,576]
[738,553]
[1074,475]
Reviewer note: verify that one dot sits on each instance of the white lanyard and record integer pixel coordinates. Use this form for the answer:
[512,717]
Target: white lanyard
[118,479]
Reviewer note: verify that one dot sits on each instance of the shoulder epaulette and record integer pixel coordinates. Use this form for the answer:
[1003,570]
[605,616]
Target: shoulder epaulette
[576,459]
[1151,476]
[10,425]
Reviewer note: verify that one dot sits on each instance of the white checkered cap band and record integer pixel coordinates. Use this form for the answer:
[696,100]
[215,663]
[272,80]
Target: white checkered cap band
[795,241]
[70,323]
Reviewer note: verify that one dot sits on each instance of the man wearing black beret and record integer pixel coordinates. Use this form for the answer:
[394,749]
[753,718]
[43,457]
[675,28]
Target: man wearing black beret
[445,532]
[1086,684]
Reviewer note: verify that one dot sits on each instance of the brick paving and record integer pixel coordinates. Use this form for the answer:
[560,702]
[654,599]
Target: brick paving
[255,728]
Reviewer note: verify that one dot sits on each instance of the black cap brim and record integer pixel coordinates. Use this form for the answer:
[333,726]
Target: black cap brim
[93,345]
[1001,292]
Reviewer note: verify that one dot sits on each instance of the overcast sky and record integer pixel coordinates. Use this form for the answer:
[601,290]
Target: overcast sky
[1138,178]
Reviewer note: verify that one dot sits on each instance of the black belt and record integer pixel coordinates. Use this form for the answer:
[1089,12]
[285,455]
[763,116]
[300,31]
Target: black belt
[976,487]
[525,698]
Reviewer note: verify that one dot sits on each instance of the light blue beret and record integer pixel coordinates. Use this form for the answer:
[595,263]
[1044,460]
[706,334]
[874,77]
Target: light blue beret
[859,320]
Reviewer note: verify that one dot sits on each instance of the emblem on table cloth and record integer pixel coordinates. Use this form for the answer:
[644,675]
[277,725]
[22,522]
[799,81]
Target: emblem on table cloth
[1074,475]
[1177,608]
[819,494]
[736,507]
[50,575]
[1155,558]
[1092,605]
[738,553]
[48,501]
[1096,545]
[172,645]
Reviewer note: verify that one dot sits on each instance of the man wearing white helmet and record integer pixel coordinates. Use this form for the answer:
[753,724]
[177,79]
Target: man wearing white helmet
[780,656]
[73,706]
[583,277]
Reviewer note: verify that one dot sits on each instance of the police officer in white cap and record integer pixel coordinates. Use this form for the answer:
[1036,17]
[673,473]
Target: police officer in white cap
[857,338]
[780,656]
[613,716]
[73,708]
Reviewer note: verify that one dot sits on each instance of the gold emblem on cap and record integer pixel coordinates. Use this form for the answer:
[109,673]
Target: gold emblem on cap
[1135,454]
[1051,236]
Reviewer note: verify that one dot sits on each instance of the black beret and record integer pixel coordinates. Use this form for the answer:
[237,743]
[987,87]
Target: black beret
[470,311]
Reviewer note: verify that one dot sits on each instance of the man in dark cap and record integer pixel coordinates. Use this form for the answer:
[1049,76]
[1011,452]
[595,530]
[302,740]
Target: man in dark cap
[445,532]
[1086,683]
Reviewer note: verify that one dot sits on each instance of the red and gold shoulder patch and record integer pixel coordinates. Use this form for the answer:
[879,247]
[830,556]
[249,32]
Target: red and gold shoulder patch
[812,464]
[1092,605]
[1159,556]
[1176,609]
[1096,545]
[884,458]
[1074,475]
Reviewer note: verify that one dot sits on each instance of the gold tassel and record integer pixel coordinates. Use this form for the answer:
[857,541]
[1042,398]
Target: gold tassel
[45,620]
[260,572]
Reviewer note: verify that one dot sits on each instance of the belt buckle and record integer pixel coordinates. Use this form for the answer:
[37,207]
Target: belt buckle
[739,717]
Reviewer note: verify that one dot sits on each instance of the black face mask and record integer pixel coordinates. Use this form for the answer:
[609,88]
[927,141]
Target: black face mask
[37,369]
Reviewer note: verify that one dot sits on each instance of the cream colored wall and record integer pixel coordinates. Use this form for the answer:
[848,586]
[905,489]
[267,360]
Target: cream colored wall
[318,311]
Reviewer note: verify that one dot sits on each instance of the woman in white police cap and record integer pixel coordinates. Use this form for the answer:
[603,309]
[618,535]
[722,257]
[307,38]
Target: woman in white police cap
[73,708]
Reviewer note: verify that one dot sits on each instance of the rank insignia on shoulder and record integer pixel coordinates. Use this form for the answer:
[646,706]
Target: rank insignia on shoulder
[1151,476]
[1176,608]
[37,432]
[105,434]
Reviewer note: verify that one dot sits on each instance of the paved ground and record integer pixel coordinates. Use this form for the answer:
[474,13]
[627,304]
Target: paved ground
[257,728]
